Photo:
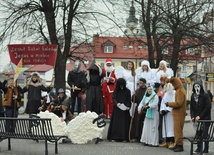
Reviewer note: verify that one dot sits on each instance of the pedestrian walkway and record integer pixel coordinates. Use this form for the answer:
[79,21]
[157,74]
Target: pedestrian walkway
[30,147]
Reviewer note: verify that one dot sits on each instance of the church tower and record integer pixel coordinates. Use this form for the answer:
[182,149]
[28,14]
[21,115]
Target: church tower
[131,22]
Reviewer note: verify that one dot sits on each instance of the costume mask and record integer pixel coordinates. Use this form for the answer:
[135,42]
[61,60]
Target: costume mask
[76,65]
[197,88]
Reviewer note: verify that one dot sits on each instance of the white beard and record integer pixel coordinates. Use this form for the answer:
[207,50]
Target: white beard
[109,69]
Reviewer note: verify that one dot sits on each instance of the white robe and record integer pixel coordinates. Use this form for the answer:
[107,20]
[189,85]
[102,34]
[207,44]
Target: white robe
[150,127]
[167,127]
[158,74]
[149,76]
[127,75]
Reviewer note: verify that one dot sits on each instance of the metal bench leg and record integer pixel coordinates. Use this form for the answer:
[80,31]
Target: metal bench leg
[191,149]
[46,147]
[56,147]
[9,144]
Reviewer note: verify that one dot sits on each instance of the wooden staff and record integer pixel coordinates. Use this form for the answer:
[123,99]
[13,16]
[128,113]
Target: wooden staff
[133,111]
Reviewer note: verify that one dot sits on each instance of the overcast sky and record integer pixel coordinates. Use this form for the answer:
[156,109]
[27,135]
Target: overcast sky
[106,27]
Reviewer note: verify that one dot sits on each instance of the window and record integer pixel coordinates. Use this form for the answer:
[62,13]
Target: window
[108,49]
[190,51]
[123,64]
[184,68]
[130,46]
[101,64]
[140,46]
[124,47]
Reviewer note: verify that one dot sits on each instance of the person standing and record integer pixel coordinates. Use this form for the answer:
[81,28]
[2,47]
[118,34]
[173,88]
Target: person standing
[11,104]
[200,109]
[163,70]
[138,119]
[129,75]
[77,81]
[146,73]
[160,90]
[167,127]
[34,89]
[108,87]
[94,97]
[150,127]
[178,112]
[2,85]
[120,120]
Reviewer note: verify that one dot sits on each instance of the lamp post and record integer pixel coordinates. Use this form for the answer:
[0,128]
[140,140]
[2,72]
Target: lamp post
[197,54]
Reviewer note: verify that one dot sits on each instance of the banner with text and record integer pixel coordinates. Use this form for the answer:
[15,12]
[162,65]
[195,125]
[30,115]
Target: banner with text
[33,54]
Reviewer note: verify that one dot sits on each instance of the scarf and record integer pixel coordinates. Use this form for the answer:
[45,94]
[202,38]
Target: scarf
[150,111]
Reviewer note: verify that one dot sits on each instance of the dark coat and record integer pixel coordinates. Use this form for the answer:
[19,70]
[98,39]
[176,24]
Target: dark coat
[137,124]
[77,78]
[94,97]
[203,107]
[34,96]
[120,121]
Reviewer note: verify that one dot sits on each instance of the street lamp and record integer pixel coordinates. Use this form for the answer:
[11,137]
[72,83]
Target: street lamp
[197,54]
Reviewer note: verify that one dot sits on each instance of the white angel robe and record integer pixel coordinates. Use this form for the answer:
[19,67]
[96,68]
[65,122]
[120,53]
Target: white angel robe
[127,75]
[149,76]
[150,128]
[159,73]
[167,127]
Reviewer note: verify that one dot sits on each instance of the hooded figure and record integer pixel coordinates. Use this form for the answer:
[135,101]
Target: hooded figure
[178,112]
[94,98]
[200,109]
[120,120]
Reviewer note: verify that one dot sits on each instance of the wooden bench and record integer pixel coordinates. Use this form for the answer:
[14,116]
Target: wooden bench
[30,128]
[200,139]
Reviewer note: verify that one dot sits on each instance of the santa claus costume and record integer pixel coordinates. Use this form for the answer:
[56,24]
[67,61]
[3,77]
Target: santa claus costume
[108,87]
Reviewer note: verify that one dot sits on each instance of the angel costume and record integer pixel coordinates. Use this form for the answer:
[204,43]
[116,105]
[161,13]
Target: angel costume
[126,74]
[148,75]
[158,72]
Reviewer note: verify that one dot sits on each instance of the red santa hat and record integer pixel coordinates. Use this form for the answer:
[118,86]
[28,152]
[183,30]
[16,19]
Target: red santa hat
[108,61]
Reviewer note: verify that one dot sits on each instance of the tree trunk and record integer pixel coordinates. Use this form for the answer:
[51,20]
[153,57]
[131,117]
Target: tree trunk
[175,54]
[60,68]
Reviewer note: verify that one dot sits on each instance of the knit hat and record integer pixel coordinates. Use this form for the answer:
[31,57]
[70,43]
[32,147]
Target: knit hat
[145,62]
[66,102]
[35,74]
[61,90]
[108,61]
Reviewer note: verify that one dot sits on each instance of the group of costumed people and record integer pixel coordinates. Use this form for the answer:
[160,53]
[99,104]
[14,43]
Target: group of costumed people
[144,105]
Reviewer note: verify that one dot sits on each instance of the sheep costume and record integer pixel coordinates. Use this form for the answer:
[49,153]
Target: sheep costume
[80,130]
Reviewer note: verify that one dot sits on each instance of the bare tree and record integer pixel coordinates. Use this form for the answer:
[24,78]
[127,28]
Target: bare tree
[60,22]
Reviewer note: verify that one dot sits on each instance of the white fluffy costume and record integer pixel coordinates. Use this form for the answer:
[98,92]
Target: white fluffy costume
[83,128]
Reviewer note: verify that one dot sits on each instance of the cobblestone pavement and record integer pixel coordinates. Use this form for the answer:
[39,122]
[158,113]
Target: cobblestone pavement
[29,147]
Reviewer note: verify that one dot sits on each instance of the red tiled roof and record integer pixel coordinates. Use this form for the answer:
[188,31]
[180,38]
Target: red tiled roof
[124,47]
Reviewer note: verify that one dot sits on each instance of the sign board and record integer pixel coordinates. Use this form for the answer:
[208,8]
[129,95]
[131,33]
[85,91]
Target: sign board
[33,54]
[210,77]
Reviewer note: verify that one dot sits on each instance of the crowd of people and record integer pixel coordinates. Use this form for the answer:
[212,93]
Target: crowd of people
[144,105]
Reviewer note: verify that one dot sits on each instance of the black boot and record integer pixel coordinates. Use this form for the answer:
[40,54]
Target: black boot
[206,147]
[179,148]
